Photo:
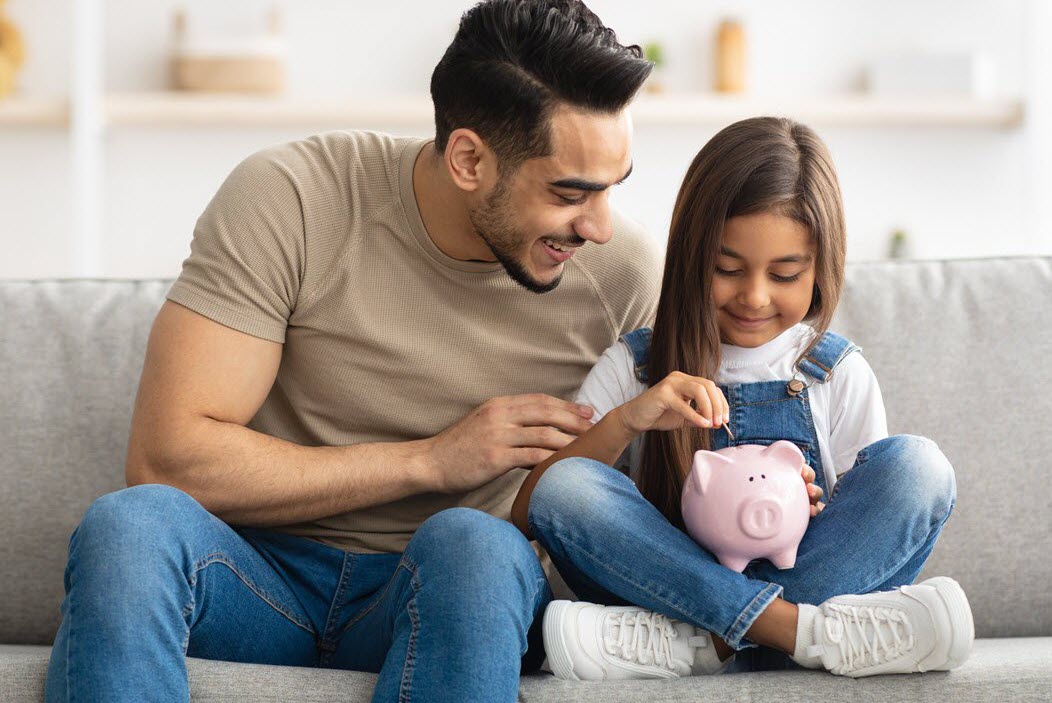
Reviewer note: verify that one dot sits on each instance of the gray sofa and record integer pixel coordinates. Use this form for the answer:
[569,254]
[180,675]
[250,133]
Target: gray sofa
[961,349]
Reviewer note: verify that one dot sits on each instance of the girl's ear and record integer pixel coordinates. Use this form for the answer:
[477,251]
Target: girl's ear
[785,451]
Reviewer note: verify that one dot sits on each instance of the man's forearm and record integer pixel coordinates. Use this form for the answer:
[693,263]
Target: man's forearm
[248,478]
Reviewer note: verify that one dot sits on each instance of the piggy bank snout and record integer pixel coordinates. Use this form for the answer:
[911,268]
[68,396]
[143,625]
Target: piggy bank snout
[760,518]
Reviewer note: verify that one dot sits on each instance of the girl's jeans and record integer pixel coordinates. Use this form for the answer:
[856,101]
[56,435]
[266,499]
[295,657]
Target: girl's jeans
[612,546]
[152,578]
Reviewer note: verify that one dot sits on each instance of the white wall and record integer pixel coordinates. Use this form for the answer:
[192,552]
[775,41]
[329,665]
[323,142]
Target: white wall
[958,192]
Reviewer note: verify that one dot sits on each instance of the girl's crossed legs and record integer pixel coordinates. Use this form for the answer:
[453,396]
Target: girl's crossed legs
[613,547]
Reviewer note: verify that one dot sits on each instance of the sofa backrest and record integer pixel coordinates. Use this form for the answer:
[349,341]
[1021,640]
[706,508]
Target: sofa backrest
[960,349]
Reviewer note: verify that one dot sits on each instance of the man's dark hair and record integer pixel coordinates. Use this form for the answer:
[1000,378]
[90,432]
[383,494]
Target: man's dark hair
[513,62]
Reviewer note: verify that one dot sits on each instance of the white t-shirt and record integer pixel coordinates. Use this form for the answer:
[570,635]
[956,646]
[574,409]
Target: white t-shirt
[848,410]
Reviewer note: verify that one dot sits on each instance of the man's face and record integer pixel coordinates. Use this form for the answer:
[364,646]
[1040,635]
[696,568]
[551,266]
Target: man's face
[534,219]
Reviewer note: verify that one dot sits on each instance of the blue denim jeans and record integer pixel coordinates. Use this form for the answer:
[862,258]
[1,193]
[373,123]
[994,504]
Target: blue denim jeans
[880,524]
[152,577]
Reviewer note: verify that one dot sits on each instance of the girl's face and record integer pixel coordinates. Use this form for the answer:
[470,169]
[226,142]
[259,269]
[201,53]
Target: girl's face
[764,278]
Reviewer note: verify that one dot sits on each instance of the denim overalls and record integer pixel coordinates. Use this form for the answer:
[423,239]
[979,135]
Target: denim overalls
[767,411]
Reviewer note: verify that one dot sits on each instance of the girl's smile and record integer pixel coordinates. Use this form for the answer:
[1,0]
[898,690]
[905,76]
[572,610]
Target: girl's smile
[749,323]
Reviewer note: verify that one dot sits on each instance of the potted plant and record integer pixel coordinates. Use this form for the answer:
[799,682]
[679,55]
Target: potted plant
[654,52]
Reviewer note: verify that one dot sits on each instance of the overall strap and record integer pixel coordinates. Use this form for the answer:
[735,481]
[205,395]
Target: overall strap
[638,342]
[827,353]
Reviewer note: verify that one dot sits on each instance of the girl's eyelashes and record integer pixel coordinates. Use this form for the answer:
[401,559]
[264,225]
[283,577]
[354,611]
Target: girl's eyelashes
[775,277]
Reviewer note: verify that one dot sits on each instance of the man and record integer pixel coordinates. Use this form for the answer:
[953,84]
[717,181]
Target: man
[371,338]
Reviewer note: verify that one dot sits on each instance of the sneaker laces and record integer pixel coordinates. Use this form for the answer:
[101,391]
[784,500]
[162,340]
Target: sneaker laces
[888,635]
[642,637]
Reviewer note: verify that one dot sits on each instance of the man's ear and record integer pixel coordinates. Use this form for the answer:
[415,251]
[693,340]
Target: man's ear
[471,164]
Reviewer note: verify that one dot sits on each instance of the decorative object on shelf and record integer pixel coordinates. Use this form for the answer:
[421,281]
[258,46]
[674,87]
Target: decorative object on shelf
[899,245]
[12,53]
[932,74]
[654,52]
[730,57]
[229,65]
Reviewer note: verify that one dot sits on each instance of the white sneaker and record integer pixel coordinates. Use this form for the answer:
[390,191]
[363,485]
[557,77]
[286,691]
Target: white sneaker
[587,642]
[923,627]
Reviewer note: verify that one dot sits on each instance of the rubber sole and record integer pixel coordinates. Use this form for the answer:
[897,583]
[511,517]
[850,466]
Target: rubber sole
[555,641]
[961,623]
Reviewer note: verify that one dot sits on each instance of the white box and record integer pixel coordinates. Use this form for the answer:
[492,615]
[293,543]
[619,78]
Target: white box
[932,74]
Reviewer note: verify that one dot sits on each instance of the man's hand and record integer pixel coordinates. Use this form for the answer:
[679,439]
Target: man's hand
[813,492]
[518,431]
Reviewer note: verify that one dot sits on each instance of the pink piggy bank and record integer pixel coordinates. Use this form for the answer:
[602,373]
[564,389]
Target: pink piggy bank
[747,502]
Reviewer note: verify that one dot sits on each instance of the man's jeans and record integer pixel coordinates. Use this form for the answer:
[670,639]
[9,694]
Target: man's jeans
[152,576]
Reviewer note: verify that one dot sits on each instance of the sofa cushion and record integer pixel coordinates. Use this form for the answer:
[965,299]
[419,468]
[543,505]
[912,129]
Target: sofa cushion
[1013,669]
[960,348]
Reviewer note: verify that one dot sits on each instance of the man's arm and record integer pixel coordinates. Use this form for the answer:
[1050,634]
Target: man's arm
[202,382]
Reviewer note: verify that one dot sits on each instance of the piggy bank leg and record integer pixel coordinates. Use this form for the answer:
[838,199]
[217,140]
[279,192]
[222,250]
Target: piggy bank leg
[784,560]
[735,563]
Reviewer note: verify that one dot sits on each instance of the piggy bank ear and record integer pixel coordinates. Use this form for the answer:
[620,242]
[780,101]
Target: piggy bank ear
[701,472]
[783,451]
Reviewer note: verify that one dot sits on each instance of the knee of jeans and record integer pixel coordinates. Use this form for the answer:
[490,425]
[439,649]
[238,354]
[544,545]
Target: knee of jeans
[920,470]
[576,486]
[474,548]
[139,516]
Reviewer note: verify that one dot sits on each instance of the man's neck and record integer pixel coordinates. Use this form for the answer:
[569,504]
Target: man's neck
[444,211]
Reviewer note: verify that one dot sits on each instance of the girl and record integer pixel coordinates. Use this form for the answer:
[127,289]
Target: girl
[740,353]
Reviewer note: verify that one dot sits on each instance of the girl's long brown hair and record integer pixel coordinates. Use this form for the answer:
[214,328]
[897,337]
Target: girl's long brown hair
[763,164]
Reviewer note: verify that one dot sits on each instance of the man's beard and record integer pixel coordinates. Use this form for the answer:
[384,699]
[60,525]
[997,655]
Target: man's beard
[493,223]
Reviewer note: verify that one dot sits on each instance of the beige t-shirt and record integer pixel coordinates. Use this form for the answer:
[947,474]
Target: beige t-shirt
[318,244]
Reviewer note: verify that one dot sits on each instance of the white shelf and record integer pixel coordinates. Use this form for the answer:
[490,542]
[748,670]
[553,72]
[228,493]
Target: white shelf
[34,112]
[201,110]
[845,110]
[197,110]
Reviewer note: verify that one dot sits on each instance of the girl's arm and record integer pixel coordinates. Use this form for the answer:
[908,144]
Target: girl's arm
[604,442]
[676,401]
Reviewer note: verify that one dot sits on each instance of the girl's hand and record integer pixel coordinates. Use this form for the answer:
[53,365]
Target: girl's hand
[676,401]
[813,492]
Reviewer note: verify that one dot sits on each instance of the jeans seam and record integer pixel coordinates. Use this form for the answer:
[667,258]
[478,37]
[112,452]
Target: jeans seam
[766,402]
[414,619]
[938,523]
[602,566]
[69,637]
[836,489]
[538,585]
[338,596]
[409,565]
[187,612]
[220,558]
